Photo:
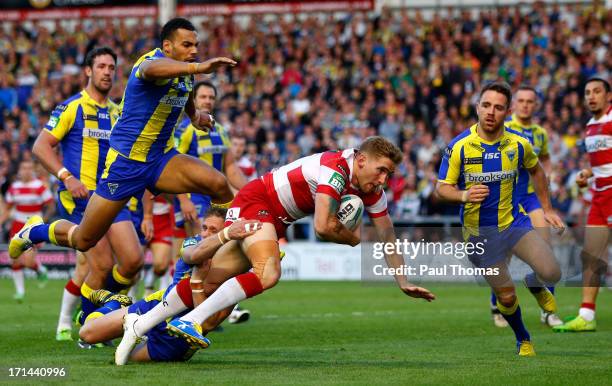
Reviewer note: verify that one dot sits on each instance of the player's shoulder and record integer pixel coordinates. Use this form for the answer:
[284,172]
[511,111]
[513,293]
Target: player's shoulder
[457,142]
[517,136]
[338,160]
[69,103]
[153,54]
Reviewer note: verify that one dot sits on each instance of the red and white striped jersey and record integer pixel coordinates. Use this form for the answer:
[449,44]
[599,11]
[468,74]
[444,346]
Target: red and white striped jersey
[28,199]
[598,144]
[161,206]
[293,187]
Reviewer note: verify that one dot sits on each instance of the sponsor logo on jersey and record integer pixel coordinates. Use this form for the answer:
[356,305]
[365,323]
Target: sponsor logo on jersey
[53,122]
[472,161]
[97,134]
[490,176]
[337,181]
[174,101]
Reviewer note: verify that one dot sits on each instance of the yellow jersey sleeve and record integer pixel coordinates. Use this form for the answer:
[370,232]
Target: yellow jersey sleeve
[451,165]
[62,120]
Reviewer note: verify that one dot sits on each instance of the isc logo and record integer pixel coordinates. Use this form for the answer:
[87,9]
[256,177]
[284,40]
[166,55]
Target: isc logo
[491,156]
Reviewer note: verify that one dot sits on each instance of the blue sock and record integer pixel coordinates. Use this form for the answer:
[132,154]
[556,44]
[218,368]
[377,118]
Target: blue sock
[493,300]
[39,234]
[551,289]
[109,307]
[87,308]
[113,285]
[515,320]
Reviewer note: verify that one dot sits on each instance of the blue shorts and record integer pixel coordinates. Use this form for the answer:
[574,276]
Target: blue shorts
[162,346]
[496,245]
[72,209]
[530,202]
[201,202]
[123,177]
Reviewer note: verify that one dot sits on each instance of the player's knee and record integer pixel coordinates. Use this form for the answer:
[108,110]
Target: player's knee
[507,298]
[270,278]
[86,334]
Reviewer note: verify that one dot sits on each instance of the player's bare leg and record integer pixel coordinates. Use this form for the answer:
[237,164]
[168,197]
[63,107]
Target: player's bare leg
[105,328]
[184,173]
[125,244]
[161,261]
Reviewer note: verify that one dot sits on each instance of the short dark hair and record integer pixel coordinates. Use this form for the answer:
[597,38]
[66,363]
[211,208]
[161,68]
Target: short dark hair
[172,25]
[597,79]
[215,211]
[500,87]
[381,147]
[204,83]
[99,51]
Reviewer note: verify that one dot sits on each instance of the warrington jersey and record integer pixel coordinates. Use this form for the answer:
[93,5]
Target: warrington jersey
[210,146]
[538,137]
[83,128]
[150,111]
[470,160]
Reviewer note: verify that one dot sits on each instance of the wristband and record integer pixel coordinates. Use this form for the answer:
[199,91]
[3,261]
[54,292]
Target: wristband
[67,178]
[61,172]
[464,196]
[226,233]
[220,238]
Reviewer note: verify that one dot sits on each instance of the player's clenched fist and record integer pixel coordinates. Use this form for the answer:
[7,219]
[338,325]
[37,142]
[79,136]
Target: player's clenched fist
[582,178]
[475,194]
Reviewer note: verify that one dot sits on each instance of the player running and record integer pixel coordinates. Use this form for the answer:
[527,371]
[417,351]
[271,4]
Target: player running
[81,127]
[141,153]
[312,184]
[106,322]
[525,104]
[27,196]
[479,170]
[594,255]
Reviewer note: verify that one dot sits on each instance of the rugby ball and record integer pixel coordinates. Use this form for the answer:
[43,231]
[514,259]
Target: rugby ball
[350,212]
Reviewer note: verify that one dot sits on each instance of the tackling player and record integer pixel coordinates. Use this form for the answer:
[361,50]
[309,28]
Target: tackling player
[479,170]
[81,126]
[594,255]
[312,184]
[525,104]
[106,323]
[141,153]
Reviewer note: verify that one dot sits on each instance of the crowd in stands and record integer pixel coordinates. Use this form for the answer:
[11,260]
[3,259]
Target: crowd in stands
[308,84]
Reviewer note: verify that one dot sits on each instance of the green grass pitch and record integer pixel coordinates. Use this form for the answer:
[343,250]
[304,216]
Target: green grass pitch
[332,333]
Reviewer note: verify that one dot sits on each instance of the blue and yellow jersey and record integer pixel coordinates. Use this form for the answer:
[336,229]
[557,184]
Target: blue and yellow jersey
[538,137]
[182,269]
[83,128]
[470,160]
[150,111]
[210,146]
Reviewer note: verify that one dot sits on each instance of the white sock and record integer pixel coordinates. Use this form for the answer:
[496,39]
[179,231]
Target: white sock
[170,306]
[587,314]
[18,278]
[229,293]
[69,303]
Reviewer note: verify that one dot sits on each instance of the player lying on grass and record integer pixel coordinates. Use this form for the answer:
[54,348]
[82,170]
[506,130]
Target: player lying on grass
[479,171]
[106,322]
[247,267]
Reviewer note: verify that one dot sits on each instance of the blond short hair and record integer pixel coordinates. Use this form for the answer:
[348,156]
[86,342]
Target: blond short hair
[381,147]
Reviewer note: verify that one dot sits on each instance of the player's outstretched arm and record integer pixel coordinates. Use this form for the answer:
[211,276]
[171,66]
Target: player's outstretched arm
[326,224]
[166,68]
[386,233]
[205,249]
[450,193]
